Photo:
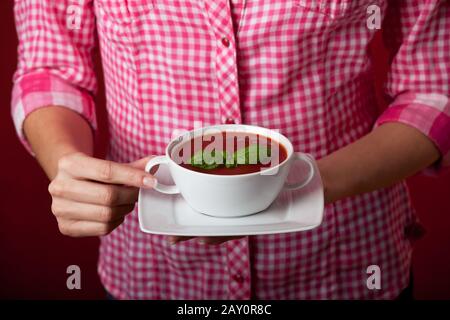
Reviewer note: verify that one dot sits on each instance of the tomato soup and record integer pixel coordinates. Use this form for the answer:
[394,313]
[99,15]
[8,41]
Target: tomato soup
[229,153]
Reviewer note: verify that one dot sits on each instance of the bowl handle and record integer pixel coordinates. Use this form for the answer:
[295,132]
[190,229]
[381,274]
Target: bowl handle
[298,185]
[163,188]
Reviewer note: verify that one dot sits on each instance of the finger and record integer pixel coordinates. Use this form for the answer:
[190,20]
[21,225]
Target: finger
[217,240]
[81,166]
[141,163]
[71,210]
[87,228]
[93,192]
[177,239]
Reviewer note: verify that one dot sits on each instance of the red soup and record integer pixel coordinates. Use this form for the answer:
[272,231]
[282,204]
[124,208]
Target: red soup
[229,153]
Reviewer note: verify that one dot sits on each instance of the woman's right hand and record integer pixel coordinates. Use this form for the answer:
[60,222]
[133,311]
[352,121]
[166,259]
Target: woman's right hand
[91,197]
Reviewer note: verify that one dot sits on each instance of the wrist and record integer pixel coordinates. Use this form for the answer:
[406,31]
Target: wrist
[50,158]
[323,176]
[330,192]
[54,132]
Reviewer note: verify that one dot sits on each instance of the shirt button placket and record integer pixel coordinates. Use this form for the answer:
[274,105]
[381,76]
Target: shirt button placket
[229,121]
[239,269]
[225,42]
[238,278]
[228,82]
[226,64]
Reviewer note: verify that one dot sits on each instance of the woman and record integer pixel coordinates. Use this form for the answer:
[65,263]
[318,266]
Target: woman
[298,66]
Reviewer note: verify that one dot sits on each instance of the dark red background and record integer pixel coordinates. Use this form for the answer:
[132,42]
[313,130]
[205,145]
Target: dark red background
[34,256]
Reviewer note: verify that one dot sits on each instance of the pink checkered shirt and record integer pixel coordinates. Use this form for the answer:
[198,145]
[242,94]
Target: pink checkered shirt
[297,65]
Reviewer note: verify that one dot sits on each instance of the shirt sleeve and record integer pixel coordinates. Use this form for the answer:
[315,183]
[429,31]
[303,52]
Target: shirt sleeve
[55,65]
[418,33]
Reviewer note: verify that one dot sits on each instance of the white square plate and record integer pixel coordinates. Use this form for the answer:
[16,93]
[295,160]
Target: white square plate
[292,211]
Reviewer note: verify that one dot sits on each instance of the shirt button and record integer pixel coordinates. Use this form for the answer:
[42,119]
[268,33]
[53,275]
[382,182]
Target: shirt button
[238,278]
[225,42]
[230,121]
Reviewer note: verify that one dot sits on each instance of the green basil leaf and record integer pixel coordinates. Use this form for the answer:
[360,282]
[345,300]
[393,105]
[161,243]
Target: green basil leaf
[197,159]
[207,160]
[251,154]
[230,160]
[210,166]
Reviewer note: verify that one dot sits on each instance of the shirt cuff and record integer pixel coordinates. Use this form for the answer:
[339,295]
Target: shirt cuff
[43,89]
[428,113]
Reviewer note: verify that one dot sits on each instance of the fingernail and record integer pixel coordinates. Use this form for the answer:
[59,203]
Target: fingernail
[149,182]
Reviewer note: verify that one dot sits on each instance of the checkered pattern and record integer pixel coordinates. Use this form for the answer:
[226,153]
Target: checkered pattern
[294,65]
